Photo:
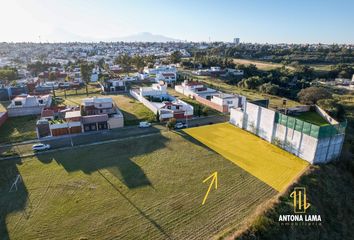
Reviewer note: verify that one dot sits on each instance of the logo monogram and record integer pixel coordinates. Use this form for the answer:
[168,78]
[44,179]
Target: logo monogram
[300,200]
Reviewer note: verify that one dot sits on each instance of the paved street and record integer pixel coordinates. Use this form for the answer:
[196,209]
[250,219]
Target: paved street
[56,143]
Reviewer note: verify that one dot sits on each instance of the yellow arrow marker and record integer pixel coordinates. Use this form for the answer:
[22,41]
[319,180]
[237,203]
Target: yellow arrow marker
[214,177]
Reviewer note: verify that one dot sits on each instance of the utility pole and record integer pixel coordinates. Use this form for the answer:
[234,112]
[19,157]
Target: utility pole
[71,138]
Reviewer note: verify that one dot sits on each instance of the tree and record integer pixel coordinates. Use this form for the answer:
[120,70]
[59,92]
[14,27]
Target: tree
[332,107]
[250,83]
[52,76]
[150,60]
[312,94]
[205,111]
[198,110]
[171,123]
[8,74]
[138,62]
[269,88]
[101,63]
[175,57]
[158,116]
[86,70]
[124,61]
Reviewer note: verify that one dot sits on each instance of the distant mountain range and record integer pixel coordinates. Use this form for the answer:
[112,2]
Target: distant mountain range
[144,37]
[60,35]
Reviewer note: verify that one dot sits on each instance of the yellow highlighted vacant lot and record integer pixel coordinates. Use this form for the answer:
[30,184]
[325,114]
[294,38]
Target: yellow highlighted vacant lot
[272,165]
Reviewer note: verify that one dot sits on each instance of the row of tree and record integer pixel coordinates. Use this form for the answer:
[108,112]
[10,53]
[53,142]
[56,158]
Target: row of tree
[8,74]
[205,61]
[300,53]
[139,62]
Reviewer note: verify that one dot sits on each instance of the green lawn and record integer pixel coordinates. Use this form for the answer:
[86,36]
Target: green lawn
[133,110]
[144,188]
[18,129]
[192,102]
[312,117]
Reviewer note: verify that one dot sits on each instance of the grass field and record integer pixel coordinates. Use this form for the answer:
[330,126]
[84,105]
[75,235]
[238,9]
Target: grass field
[133,110]
[145,188]
[312,117]
[262,65]
[18,129]
[270,164]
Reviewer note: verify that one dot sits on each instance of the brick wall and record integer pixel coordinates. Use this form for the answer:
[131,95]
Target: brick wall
[220,108]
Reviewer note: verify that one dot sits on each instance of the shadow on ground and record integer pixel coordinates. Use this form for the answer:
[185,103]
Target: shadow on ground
[13,201]
[116,157]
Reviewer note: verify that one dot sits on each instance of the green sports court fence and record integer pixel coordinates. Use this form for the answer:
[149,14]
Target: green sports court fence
[309,128]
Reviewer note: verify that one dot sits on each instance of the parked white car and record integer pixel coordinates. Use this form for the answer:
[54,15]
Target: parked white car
[180,125]
[144,124]
[40,147]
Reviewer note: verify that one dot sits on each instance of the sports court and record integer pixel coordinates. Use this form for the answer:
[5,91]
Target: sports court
[270,164]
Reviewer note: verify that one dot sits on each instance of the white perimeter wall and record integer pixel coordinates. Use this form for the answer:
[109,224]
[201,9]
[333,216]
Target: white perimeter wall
[260,121]
[266,123]
[255,119]
[141,99]
[329,148]
[236,117]
[302,145]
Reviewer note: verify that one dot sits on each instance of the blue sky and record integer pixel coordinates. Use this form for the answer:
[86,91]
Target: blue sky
[273,21]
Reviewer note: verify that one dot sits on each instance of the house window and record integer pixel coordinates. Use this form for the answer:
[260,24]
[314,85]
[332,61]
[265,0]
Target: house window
[40,101]
[18,103]
[168,107]
[229,102]
[177,107]
[100,105]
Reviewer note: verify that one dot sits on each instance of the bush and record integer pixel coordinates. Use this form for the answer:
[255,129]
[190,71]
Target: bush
[171,123]
[332,107]
[205,111]
[269,88]
[313,94]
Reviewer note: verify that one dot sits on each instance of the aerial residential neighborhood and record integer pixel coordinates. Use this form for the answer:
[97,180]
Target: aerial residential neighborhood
[176,120]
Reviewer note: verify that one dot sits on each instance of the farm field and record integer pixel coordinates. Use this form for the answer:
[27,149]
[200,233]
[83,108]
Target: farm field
[270,164]
[143,188]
